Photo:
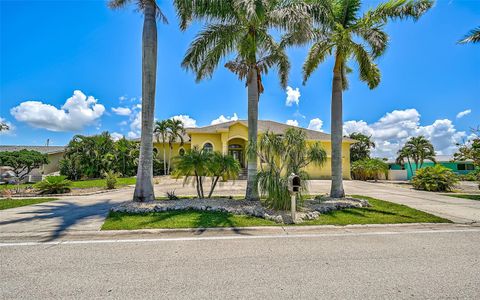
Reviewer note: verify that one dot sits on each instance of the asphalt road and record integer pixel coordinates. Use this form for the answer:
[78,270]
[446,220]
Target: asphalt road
[378,263]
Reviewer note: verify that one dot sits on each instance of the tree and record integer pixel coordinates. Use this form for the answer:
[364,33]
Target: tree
[199,164]
[361,149]
[126,156]
[176,131]
[470,150]
[144,185]
[161,130]
[23,161]
[242,28]
[472,37]
[347,36]
[282,155]
[417,149]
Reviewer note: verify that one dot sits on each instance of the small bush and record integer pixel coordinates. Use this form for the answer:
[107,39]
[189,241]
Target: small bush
[54,185]
[369,169]
[111,180]
[434,179]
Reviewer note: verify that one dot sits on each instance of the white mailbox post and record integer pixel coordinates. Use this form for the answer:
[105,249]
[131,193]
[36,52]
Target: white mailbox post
[294,185]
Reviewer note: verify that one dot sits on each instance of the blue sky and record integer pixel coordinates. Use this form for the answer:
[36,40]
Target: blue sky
[51,49]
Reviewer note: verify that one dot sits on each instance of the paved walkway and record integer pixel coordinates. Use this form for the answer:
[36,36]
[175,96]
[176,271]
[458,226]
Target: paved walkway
[87,213]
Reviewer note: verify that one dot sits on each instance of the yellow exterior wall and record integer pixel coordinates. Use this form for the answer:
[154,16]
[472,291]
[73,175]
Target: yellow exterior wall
[220,143]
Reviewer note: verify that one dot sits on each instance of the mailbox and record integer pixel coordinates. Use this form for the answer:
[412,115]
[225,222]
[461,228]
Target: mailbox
[294,183]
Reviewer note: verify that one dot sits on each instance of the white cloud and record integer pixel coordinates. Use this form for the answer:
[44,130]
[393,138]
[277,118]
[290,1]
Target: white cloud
[292,123]
[135,125]
[77,112]
[463,113]
[188,122]
[293,96]
[223,119]
[122,111]
[392,131]
[122,98]
[116,136]
[315,124]
[10,129]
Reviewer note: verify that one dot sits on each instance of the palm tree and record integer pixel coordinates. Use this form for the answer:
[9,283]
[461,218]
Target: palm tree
[347,36]
[176,131]
[472,37]
[4,126]
[161,130]
[222,166]
[361,149]
[144,185]
[418,149]
[242,28]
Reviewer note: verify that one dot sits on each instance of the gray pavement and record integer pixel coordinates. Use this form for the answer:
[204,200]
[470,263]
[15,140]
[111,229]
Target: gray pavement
[52,220]
[384,262]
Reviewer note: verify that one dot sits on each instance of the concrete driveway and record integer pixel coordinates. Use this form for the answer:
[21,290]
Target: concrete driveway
[52,220]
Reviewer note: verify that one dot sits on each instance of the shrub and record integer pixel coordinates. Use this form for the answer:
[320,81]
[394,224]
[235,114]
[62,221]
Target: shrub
[434,179]
[111,180]
[54,185]
[368,169]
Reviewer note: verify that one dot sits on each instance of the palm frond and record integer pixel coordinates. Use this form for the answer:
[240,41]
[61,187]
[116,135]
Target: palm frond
[472,37]
[346,12]
[394,9]
[210,45]
[317,54]
[218,11]
[369,71]
[374,35]
[116,4]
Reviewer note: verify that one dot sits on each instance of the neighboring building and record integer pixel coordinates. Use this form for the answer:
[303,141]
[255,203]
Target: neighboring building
[55,153]
[231,138]
[459,167]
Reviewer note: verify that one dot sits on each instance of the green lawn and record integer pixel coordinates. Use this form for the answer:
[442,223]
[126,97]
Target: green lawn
[180,219]
[82,184]
[465,196]
[380,212]
[11,203]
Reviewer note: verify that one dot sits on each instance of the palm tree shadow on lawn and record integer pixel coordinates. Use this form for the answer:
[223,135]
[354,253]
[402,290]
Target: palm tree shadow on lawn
[68,213]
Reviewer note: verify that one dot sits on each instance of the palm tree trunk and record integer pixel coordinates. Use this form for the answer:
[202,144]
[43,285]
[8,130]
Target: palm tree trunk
[170,159]
[164,157]
[336,190]
[214,184]
[144,185]
[253,98]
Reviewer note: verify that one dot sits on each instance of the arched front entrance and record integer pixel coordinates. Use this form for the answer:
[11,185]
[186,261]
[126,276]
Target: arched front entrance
[236,148]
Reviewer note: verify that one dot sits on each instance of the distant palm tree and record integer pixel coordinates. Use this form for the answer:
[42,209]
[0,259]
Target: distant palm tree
[161,130]
[347,36]
[242,28]
[176,131]
[417,149]
[472,37]
[4,126]
[151,11]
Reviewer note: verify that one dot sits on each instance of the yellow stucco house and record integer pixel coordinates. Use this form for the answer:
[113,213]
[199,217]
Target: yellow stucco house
[231,138]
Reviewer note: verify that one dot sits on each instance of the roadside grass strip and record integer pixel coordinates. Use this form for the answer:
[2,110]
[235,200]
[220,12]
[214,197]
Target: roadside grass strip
[380,212]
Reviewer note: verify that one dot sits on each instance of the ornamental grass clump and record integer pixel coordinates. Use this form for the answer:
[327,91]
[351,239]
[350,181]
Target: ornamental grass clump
[435,179]
[54,185]
[282,155]
[111,180]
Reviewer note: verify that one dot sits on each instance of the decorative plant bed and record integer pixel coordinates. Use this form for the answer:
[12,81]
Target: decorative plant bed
[311,209]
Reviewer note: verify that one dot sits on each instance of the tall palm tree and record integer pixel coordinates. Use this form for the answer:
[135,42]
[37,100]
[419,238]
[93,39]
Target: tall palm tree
[151,11]
[472,37]
[242,28]
[348,36]
[161,130]
[176,131]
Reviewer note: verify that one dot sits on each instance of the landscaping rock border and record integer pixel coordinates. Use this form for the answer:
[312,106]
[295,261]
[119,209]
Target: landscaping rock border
[311,210]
